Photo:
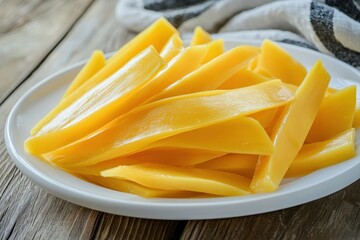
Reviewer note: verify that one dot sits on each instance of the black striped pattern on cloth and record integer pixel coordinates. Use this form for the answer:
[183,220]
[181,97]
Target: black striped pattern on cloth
[329,26]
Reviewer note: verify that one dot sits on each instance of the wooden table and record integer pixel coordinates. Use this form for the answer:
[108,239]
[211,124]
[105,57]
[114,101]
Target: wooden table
[39,37]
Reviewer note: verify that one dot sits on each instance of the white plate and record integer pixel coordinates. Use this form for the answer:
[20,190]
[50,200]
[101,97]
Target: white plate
[42,97]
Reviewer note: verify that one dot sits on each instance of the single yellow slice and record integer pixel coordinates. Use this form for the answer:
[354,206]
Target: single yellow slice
[180,178]
[200,37]
[251,66]
[243,78]
[216,48]
[311,157]
[265,118]
[137,189]
[96,62]
[210,75]
[169,117]
[185,62]
[169,156]
[96,107]
[156,35]
[237,163]
[275,62]
[291,130]
[335,115]
[174,156]
[172,48]
[314,156]
[239,135]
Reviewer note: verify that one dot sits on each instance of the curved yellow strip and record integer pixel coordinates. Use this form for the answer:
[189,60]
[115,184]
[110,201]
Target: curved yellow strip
[134,188]
[156,35]
[200,37]
[180,178]
[239,135]
[216,48]
[314,156]
[335,115]
[291,129]
[96,107]
[210,75]
[275,62]
[96,62]
[172,48]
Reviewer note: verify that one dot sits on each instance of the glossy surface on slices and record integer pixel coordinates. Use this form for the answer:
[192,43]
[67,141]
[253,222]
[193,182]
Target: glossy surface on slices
[239,135]
[291,130]
[275,62]
[210,75]
[156,35]
[335,115]
[314,156]
[98,106]
[172,48]
[200,37]
[180,178]
[169,117]
[96,62]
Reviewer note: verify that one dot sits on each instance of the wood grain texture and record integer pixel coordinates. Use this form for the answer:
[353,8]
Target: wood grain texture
[29,30]
[26,210]
[116,227]
[334,217]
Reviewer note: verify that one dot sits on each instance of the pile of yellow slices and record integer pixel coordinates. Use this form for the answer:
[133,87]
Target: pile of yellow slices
[159,119]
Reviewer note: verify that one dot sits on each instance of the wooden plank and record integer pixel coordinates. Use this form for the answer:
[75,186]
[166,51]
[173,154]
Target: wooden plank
[116,227]
[29,30]
[333,217]
[26,210]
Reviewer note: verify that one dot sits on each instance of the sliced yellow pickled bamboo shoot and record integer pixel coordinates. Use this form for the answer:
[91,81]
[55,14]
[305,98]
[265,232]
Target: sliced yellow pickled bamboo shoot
[96,62]
[169,156]
[134,188]
[210,75]
[174,156]
[200,37]
[290,131]
[314,156]
[243,78]
[156,35]
[239,135]
[184,63]
[239,163]
[96,107]
[169,117]
[172,48]
[265,118]
[180,178]
[251,66]
[216,48]
[275,62]
[311,157]
[335,115]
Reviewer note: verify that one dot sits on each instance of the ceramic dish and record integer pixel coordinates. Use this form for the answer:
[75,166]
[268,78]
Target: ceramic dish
[42,97]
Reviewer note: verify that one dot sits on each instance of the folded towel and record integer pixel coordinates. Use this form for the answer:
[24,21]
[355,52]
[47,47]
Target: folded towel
[329,26]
